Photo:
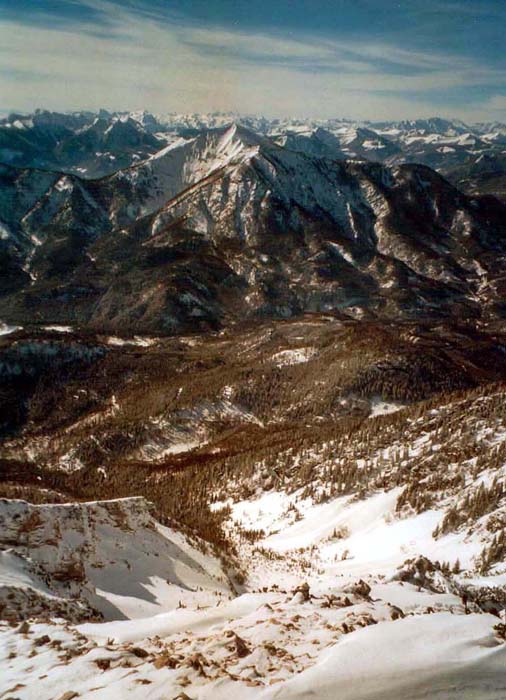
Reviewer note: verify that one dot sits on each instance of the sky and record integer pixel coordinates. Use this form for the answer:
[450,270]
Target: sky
[360,59]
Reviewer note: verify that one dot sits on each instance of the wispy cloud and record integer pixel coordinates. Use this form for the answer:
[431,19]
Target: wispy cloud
[134,55]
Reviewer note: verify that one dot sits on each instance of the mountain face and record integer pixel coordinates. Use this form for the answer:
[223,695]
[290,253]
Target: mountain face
[230,225]
[319,143]
[98,551]
[83,143]
[369,145]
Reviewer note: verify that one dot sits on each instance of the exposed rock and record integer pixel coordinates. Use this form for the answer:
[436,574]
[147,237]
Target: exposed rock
[241,647]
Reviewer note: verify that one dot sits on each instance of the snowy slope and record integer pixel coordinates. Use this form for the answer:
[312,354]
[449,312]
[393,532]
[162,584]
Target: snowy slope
[180,165]
[446,656]
[344,596]
[341,636]
[111,555]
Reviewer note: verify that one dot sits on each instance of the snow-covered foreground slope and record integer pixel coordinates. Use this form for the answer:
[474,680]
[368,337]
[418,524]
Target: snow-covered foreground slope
[440,656]
[338,602]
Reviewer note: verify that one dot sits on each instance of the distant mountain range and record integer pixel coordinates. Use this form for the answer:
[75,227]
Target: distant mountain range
[95,144]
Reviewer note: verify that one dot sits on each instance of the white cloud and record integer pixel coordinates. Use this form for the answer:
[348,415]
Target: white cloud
[144,63]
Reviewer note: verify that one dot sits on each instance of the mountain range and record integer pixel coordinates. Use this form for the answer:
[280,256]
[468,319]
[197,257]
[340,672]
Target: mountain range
[232,224]
[94,144]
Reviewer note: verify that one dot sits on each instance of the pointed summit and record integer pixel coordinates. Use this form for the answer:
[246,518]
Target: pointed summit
[236,137]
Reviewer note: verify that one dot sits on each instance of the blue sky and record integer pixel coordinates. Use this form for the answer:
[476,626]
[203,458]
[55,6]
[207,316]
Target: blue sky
[366,59]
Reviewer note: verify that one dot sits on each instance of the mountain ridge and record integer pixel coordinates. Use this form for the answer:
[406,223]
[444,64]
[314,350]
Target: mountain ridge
[296,232]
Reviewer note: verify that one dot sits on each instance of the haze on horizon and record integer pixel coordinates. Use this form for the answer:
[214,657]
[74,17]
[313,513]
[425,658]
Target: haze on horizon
[362,59]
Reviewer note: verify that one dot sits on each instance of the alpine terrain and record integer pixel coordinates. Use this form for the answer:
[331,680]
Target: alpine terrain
[252,408]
